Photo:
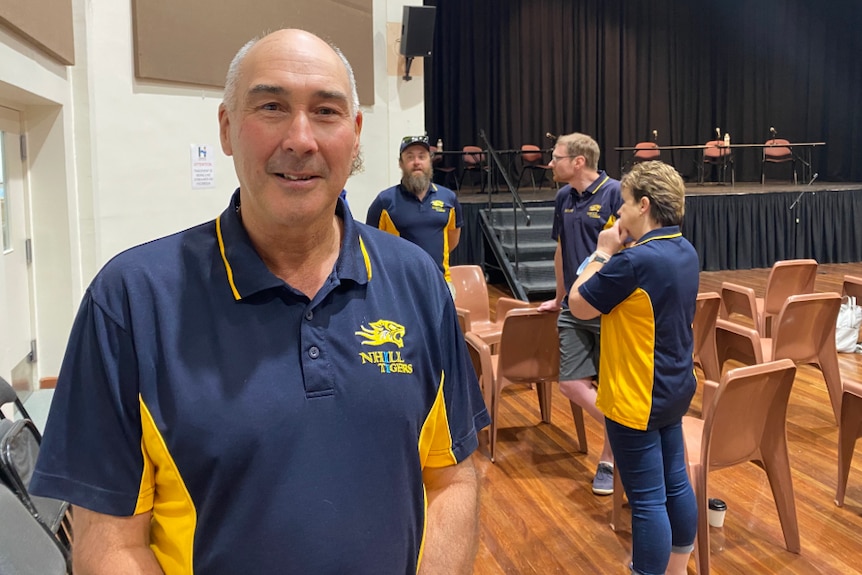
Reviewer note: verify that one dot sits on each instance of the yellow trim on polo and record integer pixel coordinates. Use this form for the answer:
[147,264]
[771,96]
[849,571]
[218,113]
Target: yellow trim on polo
[172,530]
[365,257]
[227,267]
[387,225]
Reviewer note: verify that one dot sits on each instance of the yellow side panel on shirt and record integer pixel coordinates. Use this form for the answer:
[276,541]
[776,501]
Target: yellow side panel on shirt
[435,445]
[387,225]
[172,531]
[435,442]
[450,225]
[627,364]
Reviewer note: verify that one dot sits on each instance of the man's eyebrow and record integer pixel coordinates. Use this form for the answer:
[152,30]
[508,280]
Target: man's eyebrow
[266,89]
[329,95]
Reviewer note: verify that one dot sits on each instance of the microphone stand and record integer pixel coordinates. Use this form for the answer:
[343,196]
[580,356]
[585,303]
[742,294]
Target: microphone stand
[802,193]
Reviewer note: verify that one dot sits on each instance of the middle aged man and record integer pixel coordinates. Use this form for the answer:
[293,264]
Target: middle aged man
[417,209]
[585,206]
[270,392]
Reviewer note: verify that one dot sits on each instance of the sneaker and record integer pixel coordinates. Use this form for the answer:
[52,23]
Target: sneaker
[603,482]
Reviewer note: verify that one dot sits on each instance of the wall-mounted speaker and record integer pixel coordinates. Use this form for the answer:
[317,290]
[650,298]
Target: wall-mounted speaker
[417,30]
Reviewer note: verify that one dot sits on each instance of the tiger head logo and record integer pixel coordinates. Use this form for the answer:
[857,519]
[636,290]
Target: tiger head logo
[382,331]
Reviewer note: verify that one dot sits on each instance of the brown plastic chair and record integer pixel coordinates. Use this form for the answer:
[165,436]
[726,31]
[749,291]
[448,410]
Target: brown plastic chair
[715,153]
[703,329]
[532,161]
[745,421]
[474,163]
[849,430]
[471,301]
[786,278]
[853,287]
[804,333]
[529,352]
[777,151]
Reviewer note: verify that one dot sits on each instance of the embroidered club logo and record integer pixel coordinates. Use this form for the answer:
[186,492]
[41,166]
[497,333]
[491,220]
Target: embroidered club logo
[438,206]
[382,331]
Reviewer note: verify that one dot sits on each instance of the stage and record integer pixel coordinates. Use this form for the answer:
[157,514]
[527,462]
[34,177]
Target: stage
[745,226]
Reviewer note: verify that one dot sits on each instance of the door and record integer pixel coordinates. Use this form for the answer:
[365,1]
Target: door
[16,311]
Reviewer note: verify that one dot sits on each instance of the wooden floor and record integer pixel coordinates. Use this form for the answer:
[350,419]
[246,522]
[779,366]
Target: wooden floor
[539,515]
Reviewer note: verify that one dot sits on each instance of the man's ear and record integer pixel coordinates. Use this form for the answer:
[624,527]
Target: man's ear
[224,130]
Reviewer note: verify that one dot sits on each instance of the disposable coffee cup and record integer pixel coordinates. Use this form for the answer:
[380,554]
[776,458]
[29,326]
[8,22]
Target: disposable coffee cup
[717,509]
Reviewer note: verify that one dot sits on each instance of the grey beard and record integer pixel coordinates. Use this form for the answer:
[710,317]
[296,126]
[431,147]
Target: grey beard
[416,184]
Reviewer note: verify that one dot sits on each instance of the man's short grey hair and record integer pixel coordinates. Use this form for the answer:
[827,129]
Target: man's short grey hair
[235,64]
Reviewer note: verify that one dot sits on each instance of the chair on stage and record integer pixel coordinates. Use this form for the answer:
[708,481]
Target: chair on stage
[532,161]
[715,153]
[777,151]
[644,152]
[475,163]
[447,172]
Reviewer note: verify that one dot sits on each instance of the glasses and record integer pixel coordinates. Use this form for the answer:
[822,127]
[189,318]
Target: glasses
[414,139]
[561,158]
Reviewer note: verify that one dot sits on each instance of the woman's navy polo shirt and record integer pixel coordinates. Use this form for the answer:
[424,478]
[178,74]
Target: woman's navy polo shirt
[647,295]
[267,433]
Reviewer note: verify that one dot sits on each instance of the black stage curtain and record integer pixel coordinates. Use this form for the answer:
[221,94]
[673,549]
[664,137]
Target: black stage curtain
[618,70]
[741,231]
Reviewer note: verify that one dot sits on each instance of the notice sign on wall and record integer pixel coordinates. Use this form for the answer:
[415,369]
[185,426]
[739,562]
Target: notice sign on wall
[203,167]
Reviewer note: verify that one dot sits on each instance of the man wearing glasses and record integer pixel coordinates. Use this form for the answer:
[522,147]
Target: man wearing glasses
[417,209]
[586,205]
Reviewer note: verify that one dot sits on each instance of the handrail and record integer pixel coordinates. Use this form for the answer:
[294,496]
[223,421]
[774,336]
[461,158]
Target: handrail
[516,198]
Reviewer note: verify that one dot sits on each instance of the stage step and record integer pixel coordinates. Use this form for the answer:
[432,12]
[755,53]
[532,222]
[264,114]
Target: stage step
[534,276]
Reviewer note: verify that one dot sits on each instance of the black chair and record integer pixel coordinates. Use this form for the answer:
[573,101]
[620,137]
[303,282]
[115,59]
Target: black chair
[26,547]
[19,448]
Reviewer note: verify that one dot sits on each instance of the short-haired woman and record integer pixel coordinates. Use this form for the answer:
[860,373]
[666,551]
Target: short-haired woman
[646,296]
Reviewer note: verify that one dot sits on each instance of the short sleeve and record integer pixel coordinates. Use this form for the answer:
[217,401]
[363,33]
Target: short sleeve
[91,451]
[372,218]
[611,285]
[459,413]
[459,215]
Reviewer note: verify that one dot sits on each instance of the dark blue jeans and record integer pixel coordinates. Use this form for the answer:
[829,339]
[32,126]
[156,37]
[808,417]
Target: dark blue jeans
[652,468]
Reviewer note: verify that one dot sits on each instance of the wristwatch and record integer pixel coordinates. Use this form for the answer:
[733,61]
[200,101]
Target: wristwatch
[599,257]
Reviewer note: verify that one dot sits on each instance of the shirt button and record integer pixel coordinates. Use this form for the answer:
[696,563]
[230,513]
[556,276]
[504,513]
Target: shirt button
[309,315]
[313,352]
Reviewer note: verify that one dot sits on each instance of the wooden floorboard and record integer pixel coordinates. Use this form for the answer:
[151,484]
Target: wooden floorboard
[539,516]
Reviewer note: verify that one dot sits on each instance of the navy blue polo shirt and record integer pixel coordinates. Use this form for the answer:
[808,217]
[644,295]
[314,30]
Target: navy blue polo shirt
[267,433]
[426,223]
[647,295]
[578,219]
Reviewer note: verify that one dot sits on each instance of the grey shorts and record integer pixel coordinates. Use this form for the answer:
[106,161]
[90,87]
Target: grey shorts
[579,347]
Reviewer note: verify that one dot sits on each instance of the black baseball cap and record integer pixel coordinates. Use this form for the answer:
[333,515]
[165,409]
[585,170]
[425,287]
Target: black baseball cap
[408,141]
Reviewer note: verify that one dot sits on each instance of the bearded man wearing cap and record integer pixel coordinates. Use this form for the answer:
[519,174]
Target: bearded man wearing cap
[417,209]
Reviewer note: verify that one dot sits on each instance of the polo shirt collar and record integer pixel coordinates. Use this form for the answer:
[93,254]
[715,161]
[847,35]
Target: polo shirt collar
[432,189]
[597,183]
[247,274]
[659,234]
